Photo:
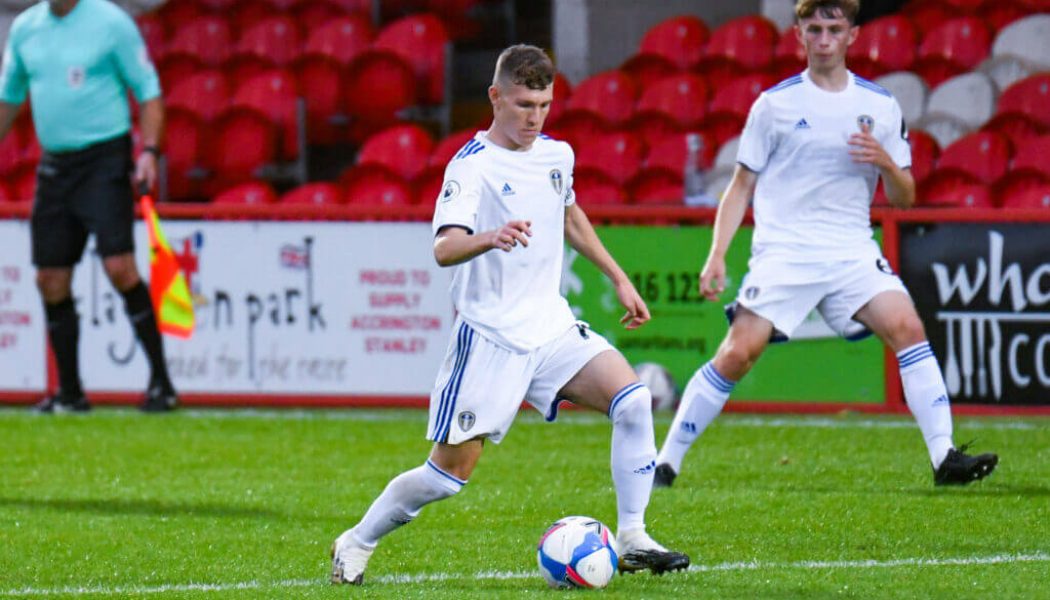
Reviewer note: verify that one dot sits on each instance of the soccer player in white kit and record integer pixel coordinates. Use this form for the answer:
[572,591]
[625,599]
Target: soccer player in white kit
[811,154]
[504,213]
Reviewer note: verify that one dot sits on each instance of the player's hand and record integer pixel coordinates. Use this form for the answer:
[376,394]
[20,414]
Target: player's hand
[713,278]
[637,312]
[146,171]
[864,148]
[510,235]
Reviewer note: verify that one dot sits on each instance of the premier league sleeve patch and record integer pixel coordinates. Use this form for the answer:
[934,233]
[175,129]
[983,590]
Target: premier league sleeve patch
[450,191]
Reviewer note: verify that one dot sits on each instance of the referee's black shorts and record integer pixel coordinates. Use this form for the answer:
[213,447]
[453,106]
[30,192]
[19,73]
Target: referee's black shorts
[79,193]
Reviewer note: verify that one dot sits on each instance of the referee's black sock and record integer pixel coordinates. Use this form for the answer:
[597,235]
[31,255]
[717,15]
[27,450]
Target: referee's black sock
[63,329]
[139,307]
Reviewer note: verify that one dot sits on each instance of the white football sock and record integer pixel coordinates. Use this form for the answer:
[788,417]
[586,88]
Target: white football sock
[927,398]
[702,400]
[402,500]
[633,451]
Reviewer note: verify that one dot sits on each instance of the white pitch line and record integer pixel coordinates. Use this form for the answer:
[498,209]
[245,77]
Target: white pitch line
[513,575]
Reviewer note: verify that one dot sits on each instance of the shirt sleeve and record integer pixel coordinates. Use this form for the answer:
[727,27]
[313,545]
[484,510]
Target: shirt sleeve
[758,138]
[133,61]
[457,203]
[570,194]
[14,82]
[896,144]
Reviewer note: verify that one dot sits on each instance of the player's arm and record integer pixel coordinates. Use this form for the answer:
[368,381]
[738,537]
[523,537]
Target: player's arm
[151,125]
[730,215]
[898,182]
[454,245]
[581,236]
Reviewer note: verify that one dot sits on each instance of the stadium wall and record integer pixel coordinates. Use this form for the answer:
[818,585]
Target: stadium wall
[343,306]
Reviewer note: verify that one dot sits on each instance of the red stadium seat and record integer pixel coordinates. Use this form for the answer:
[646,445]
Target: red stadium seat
[404,149]
[377,85]
[593,187]
[153,33]
[274,38]
[342,38]
[448,147]
[6,194]
[560,102]
[177,15]
[924,154]
[1017,127]
[206,38]
[315,14]
[728,109]
[317,194]
[652,128]
[23,183]
[457,16]
[578,126]
[205,94]
[252,192]
[10,152]
[656,186]
[243,140]
[1030,97]
[320,82]
[1029,168]
[999,14]
[375,185]
[928,14]
[184,135]
[173,69]
[618,154]
[983,155]
[249,12]
[610,94]
[1033,197]
[789,56]
[673,152]
[422,42]
[951,48]
[884,45]
[678,39]
[647,69]
[954,191]
[747,42]
[681,97]
[427,185]
[274,94]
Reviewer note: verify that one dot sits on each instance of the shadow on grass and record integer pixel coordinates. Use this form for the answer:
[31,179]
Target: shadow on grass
[989,489]
[149,508]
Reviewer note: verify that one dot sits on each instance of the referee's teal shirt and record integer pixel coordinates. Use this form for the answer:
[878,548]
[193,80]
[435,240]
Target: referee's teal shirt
[77,70]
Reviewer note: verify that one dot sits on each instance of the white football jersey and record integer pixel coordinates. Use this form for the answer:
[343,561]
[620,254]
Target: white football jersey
[812,202]
[512,298]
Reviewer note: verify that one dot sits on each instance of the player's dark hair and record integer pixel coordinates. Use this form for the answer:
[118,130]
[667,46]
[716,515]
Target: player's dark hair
[829,9]
[525,65]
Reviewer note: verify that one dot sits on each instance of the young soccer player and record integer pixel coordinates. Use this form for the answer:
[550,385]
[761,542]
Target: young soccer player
[505,210]
[811,154]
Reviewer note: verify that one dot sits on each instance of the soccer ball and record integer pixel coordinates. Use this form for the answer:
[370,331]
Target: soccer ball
[577,552]
[660,383]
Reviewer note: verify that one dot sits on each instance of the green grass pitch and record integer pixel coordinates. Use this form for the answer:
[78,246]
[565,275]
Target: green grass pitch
[243,504]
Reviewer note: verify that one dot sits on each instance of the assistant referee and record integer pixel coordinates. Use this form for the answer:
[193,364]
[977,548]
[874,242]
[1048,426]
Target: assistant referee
[77,59]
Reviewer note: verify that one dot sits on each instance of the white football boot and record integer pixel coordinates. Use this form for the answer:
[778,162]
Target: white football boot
[349,559]
[638,551]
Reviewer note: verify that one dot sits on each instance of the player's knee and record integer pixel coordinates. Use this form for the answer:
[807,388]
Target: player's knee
[905,331]
[54,287]
[735,359]
[632,406]
[438,483]
[122,273]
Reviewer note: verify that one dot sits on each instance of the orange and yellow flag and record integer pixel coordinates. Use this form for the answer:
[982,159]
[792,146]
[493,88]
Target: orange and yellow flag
[171,297]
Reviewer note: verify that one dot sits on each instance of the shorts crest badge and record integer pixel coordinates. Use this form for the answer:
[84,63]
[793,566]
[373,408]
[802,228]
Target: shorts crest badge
[557,182]
[466,420]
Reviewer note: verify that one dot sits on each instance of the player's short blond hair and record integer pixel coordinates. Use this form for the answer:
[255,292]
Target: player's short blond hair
[525,65]
[828,9]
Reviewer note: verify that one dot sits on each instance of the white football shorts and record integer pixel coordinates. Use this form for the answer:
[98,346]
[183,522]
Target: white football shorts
[785,292]
[481,384]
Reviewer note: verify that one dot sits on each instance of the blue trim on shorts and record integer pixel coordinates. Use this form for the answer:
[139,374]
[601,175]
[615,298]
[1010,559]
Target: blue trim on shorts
[446,475]
[450,394]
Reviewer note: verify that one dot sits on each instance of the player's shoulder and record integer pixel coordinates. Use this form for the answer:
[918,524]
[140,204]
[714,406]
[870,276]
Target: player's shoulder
[470,153]
[109,12]
[548,146]
[868,86]
[786,86]
[28,20]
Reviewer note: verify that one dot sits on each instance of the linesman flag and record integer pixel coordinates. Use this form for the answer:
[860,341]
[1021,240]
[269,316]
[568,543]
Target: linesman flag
[171,297]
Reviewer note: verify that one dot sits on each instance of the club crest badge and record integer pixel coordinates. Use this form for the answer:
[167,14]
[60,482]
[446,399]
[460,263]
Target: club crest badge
[466,420]
[865,122]
[557,181]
